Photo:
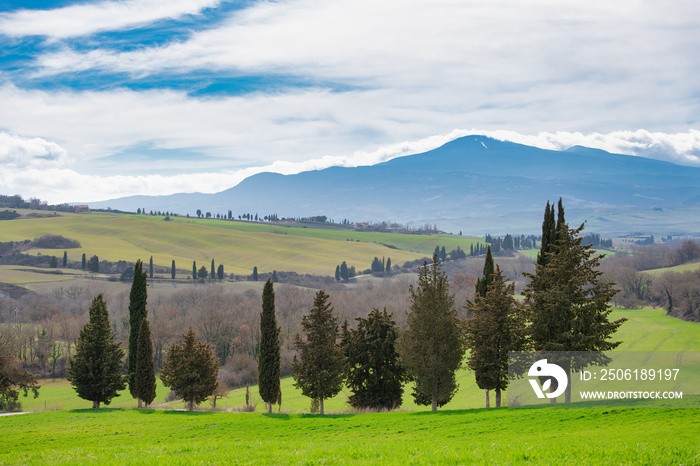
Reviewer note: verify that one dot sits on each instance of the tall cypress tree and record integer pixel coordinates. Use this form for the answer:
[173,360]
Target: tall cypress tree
[145,368]
[137,313]
[194,270]
[561,221]
[568,302]
[150,269]
[549,229]
[269,359]
[255,273]
[320,369]
[65,259]
[172,270]
[388,265]
[482,286]
[432,346]
[84,263]
[497,326]
[483,283]
[213,270]
[95,370]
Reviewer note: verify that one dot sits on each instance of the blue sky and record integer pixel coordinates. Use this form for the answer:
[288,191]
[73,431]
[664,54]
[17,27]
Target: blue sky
[101,99]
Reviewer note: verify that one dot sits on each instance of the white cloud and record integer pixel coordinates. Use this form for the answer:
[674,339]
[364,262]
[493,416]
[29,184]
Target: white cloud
[23,153]
[82,19]
[679,148]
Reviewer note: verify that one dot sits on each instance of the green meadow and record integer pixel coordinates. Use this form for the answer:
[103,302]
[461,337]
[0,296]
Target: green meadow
[239,246]
[559,435]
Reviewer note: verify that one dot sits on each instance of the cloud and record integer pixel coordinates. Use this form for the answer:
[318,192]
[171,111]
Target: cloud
[83,19]
[679,148]
[24,153]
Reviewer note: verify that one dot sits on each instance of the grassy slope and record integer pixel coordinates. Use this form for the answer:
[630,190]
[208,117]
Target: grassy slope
[239,246]
[688,267]
[505,436]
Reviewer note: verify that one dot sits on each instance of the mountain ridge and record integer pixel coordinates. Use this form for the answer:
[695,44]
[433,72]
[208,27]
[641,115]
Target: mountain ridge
[473,177]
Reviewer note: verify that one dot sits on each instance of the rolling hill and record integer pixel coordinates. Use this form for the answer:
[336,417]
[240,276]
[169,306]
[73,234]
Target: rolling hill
[239,246]
[474,184]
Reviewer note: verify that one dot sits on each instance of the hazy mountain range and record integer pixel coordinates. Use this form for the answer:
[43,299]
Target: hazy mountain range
[474,184]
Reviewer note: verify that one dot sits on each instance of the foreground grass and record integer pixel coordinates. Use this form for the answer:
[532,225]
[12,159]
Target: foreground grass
[542,436]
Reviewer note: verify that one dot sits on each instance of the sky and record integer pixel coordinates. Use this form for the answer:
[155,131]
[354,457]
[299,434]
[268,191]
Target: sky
[105,99]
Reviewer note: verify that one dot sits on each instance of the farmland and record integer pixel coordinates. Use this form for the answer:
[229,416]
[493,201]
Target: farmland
[239,246]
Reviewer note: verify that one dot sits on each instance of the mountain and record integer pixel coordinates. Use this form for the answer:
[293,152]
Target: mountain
[475,184]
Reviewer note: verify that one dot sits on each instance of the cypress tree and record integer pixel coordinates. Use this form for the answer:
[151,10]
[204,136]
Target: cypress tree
[191,370]
[320,368]
[568,302]
[194,270]
[549,231]
[269,360]
[150,269]
[213,270]
[220,272]
[482,284]
[497,326]
[172,270]
[145,368]
[137,313]
[337,273]
[375,375]
[65,259]
[255,273]
[95,370]
[84,262]
[432,346]
[388,265]
[561,222]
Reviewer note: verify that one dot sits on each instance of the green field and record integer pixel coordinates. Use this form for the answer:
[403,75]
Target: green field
[682,268]
[25,275]
[561,435]
[239,246]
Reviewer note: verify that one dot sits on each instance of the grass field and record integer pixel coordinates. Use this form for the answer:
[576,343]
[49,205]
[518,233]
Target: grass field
[24,275]
[561,435]
[682,268]
[239,246]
